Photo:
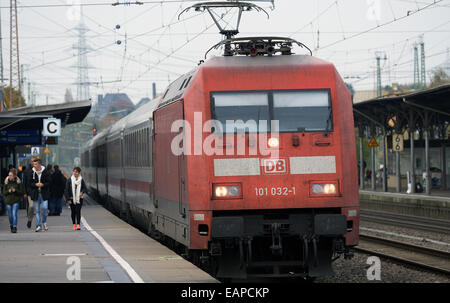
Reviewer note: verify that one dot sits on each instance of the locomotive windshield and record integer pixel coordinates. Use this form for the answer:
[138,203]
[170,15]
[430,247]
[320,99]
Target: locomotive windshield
[296,110]
[245,106]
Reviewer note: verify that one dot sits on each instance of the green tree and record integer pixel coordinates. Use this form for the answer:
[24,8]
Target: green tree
[439,77]
[17,99]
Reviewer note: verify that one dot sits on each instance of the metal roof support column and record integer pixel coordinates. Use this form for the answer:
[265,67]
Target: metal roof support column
[397,172]
[427,152]
[361,164]
[444,167]
[15,157]
[384,161]
[372,159]
[412,175]
[361,157]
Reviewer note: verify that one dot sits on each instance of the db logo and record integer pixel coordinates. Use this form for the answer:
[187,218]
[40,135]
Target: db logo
[274,166]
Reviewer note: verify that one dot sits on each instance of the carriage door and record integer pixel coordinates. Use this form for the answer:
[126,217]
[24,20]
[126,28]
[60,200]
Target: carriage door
[166,163]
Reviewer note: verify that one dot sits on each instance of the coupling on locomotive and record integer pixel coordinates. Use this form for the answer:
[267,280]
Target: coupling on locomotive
[245,164]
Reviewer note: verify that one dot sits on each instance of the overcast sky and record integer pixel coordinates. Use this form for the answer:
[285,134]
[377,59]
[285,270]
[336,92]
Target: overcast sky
[160,48]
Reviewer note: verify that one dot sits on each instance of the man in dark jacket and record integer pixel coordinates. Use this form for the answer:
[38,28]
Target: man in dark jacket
[57,192]
[39,190]
[26,180]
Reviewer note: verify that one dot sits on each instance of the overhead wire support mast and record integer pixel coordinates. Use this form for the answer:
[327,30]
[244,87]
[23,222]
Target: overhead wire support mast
[14,59]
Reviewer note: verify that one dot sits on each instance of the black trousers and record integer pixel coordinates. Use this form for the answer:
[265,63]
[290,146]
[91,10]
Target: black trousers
[76,211]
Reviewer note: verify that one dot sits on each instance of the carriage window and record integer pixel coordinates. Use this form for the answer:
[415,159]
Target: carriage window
[249,107]
[302,110]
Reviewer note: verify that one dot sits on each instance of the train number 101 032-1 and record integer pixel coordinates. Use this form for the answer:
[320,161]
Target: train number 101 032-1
[274,191]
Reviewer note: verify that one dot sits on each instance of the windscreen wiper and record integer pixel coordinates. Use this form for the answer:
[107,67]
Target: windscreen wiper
[330,115]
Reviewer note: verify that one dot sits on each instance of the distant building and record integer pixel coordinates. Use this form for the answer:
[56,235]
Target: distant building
[120,108]
[389,90]
[112,103]
[142,102]
[362,95]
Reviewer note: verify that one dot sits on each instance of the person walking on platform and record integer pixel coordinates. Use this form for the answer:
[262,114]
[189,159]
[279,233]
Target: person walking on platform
[13,195]
[56,192]
[26,188]
[75,189]
[40,193]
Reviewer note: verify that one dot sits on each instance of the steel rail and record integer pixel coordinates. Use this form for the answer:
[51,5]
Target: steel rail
[424,251]
[408,221]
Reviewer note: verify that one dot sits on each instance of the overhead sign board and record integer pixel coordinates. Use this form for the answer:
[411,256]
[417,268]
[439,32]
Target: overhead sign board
[52,127]
[397,142]
[20,137]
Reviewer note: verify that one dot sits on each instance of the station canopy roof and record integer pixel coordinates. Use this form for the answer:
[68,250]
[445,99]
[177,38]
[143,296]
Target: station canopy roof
[426,107]
[31,117]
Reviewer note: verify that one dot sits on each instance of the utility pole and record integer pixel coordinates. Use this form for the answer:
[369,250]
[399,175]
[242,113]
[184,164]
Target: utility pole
[14,58]
[29,93]
[423,80]
[416,67]
[82,65]
[378,57]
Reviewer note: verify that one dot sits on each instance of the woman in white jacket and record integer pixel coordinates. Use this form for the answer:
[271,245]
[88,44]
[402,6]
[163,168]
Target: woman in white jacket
[75,189]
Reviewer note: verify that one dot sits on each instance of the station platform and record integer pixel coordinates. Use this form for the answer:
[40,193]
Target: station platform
[106,249]
[436,205]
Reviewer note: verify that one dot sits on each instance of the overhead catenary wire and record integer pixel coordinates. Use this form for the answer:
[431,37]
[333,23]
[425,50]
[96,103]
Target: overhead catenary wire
[95,4]
[381,25]
[180,47]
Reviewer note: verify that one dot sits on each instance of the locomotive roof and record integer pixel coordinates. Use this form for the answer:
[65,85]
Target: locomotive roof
[175,91]
[264,61]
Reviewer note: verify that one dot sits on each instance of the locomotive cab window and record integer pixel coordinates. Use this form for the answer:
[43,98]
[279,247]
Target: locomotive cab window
[295,110]
[245,106]
[302,110]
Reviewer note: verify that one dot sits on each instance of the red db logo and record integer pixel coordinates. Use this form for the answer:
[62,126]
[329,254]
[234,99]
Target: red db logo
[274,166]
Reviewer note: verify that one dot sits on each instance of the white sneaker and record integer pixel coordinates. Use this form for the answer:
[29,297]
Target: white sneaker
[38,229]
[45,227]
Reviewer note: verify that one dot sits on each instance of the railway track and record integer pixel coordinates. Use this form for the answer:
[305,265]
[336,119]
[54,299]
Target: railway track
[408,221]
[426,258]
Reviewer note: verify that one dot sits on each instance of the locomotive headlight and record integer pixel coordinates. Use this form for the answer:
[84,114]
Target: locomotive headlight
[273,142]
[221,191]
[324,188]
[226,191]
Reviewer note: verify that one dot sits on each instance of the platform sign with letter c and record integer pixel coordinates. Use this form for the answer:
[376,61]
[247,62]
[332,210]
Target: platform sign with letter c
[52,127]
[397,142]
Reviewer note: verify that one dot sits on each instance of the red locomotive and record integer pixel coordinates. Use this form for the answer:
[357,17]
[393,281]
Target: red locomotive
[246,200]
